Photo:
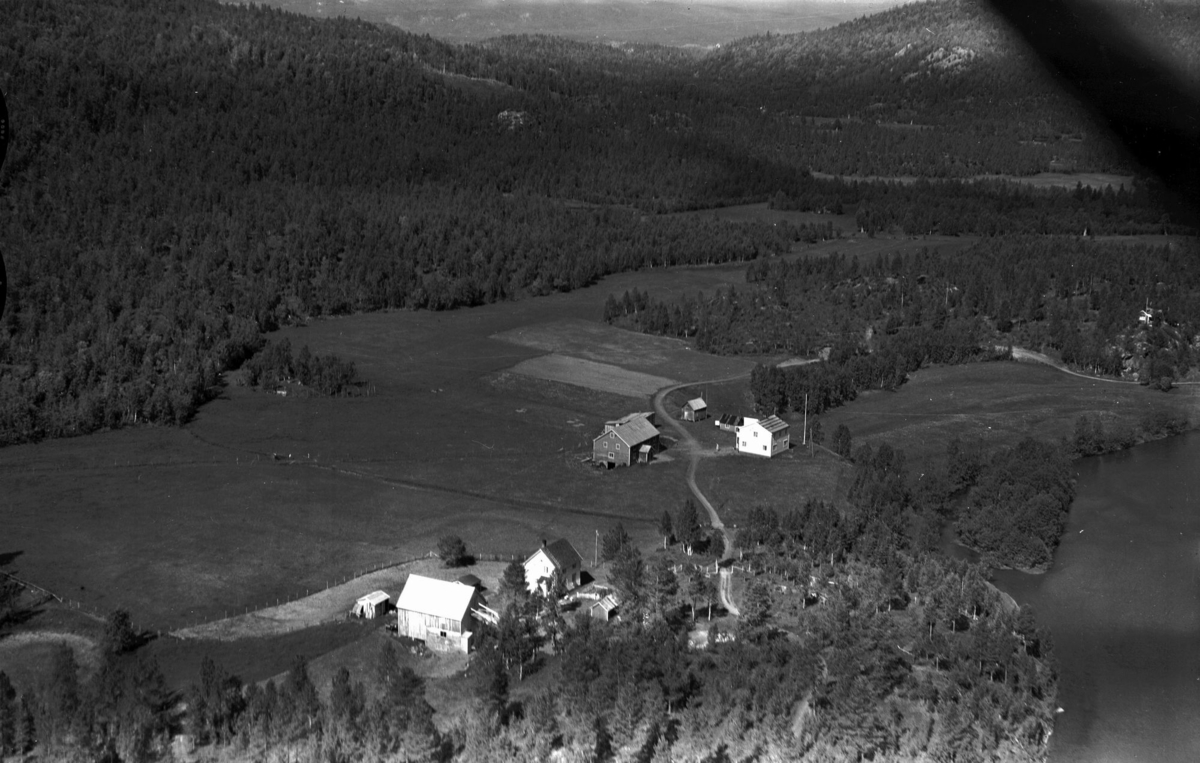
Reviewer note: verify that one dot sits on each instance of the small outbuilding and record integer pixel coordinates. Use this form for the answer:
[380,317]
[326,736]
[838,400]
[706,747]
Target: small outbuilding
[729,422]
[557,557]
[372,605]
[471,580]
[438,612]
[695,410]
[605,609]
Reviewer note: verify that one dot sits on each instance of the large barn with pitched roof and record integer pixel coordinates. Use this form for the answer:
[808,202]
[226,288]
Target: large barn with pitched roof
[627,440]
[437,612]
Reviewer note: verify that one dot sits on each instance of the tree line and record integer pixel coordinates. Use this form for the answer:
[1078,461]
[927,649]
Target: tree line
[181,180]
[877,320]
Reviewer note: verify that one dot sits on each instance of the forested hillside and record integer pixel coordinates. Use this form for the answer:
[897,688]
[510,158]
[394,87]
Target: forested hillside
[185,177]
[886,317]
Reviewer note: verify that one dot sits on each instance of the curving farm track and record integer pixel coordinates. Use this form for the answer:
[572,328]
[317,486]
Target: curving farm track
[692,448]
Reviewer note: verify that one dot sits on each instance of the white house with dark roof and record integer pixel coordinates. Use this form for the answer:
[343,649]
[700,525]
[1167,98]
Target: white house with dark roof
[559,556]
[626,440]
[437,612]
[763,437]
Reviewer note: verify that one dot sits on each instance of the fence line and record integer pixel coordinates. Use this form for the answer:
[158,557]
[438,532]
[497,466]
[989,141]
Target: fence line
[34,586]
[247,609]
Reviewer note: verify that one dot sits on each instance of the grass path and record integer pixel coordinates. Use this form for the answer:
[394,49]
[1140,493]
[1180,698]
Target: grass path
[333,603]
[1020,353]
[693,452]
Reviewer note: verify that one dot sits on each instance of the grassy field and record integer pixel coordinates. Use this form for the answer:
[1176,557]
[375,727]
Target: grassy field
[588,373]
[264,499]
[868,249]
[762,213]
[998,402]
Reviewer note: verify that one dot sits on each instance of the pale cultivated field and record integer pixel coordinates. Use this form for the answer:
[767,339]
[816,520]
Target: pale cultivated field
[658,356]
[586,373]
[595,341]
[335,602]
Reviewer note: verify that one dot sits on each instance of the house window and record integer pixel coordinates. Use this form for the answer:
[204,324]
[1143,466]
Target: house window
[618,446]
[756,434]
[611,454]
[764,447]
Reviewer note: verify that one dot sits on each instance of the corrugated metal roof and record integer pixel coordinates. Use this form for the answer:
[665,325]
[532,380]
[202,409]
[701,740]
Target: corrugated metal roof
[378,597]
[698,404]
[608,603]
[773,424]
[636,432]
[730,419]
[440,598]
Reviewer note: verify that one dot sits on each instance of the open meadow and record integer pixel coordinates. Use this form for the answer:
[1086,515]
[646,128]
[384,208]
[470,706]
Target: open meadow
[1000,403]
[479,424]
[263,499]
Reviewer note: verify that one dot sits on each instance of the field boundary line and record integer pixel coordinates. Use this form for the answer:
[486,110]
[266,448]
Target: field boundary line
[180,632]
[1022,353]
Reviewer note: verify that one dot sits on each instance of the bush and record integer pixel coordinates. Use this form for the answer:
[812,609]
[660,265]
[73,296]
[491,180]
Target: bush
[452,551]
[119,635]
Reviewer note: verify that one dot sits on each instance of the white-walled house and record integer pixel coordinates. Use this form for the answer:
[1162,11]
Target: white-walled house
[763,437]
[559,556]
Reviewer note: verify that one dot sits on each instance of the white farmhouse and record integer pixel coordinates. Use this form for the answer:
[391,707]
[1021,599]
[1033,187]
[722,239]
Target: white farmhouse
[763,437]
[559,556]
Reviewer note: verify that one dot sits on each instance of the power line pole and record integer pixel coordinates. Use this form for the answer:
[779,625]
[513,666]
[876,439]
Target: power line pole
[596,553]
[804,434]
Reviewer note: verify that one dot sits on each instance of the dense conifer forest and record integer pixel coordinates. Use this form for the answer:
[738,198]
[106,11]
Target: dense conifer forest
[883,318]
[186,177]
[183,178]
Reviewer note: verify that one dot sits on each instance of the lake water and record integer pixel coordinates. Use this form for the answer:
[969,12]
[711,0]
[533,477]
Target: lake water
[1123,603]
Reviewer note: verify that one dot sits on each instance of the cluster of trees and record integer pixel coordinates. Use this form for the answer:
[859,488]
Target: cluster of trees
[1016,504]
[161,211]
[982,207]
[883,318]
[123,711]
[1092,438]
[274,366]
[855,641]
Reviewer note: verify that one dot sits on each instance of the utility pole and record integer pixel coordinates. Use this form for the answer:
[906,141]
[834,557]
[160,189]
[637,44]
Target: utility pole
[804,434]
[596,553]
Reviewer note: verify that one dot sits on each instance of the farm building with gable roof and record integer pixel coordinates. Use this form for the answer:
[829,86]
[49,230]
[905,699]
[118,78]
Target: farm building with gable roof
[730,422]
[763,437]
[625,440]
[695,410]
[437,612]
[372,605]
[559,556]
[605,608]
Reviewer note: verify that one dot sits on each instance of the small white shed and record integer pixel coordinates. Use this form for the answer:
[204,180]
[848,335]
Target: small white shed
[372,605]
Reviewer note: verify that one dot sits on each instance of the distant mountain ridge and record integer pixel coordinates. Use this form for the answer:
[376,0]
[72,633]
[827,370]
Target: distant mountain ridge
[703,25]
